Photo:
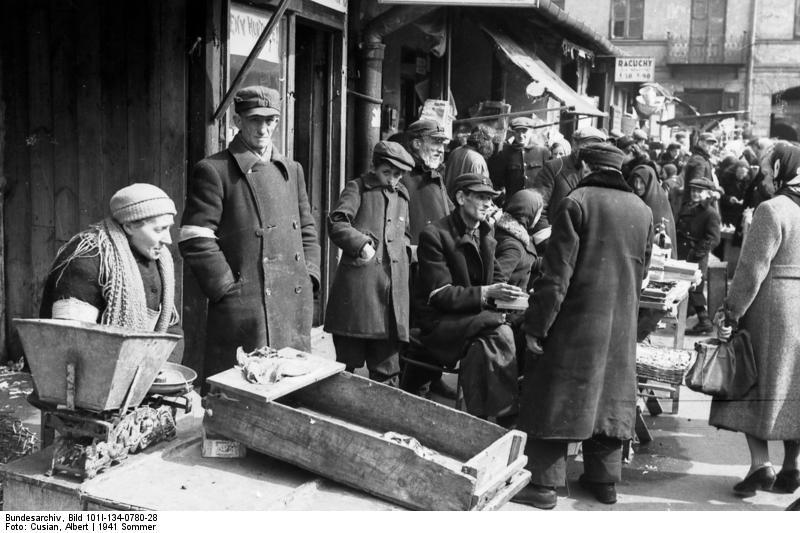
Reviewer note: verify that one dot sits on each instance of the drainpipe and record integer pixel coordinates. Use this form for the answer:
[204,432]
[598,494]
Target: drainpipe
[751,47]
[368,113]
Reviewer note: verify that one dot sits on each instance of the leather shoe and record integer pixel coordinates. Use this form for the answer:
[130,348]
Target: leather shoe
[701,328]
[603,492]
[761,479]
[440,388]
[537,496]
[787,481]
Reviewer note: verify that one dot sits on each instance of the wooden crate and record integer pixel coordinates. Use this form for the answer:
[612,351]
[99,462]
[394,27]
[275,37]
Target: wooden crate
[351,430]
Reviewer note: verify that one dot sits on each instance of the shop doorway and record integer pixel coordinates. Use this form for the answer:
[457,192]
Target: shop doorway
[316,133]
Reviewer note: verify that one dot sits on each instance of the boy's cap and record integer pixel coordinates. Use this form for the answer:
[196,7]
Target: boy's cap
[394,154]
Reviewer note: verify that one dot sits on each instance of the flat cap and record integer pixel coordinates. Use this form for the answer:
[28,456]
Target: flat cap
[589,133]
[394,154]
[624,142]
[708,137]
[522,122]
[640,135]
[425,127]
[474,183]
[703,183]
[674,146]
[605,154]
[257,100]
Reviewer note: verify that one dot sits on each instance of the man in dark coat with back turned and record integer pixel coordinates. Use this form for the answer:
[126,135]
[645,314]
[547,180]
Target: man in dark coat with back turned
[580,378]
[248,235]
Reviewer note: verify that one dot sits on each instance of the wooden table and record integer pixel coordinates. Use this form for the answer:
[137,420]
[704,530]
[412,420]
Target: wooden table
[675,308]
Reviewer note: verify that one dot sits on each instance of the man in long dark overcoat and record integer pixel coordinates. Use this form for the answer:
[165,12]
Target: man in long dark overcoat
[249,237]
[453,299]
[580,379]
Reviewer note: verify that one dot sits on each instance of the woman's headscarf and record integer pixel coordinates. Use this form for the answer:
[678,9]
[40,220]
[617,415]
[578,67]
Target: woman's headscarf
[787,178]
[525,206]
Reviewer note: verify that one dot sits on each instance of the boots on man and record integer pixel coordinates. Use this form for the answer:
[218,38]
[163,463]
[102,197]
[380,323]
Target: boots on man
[703,326]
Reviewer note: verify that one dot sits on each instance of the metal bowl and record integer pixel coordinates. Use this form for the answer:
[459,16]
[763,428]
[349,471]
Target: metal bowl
[174,384]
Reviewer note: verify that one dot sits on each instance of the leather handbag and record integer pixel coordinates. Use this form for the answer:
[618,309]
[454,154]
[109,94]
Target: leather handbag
[725,370]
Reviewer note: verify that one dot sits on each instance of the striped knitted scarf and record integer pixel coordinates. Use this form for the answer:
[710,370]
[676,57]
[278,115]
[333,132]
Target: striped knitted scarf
[120,279]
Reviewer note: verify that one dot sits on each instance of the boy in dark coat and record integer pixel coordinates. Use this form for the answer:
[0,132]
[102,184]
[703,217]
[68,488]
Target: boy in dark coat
[368,307]
[580,377]
[698,233]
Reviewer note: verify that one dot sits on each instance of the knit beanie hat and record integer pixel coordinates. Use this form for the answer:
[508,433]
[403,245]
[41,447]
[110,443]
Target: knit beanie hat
[140,201]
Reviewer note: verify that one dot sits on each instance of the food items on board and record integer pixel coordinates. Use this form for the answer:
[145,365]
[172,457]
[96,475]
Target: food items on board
[268,365]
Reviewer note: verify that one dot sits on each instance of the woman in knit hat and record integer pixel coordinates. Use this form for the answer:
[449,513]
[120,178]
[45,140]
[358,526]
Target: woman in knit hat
[119,271]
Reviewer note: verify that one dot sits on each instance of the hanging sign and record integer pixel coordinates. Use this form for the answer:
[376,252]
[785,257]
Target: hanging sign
[466,3]
[338,5]
[246,25]
[635,69]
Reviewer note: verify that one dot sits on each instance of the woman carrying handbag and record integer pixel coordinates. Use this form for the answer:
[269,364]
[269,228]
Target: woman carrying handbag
[763,298]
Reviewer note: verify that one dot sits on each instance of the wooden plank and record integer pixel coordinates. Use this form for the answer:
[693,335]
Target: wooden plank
[114,110]
[92,198]
[351,397]
[16,254]
[20,495]
[371,464]
[232,380]
[65,122]
[171,102]
[41,141]
[496,458]
[141,79]
[504,495]
[485,492]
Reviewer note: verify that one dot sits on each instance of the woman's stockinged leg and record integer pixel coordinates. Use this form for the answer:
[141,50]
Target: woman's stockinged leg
[759,453]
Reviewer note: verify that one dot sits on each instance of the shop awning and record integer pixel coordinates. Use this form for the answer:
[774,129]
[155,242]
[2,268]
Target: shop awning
[534,67]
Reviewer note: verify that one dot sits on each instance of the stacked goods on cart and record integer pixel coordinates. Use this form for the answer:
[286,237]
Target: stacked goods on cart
[676,270]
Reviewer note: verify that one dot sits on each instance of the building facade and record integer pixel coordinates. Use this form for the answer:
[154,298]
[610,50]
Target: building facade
[715,55]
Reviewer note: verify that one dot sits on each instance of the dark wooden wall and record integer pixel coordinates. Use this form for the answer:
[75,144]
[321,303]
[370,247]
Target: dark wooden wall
[94,94]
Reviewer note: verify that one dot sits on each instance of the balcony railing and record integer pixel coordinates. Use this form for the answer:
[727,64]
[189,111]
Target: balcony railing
[728,50]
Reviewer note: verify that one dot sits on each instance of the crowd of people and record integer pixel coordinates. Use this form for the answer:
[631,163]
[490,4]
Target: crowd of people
[520,263]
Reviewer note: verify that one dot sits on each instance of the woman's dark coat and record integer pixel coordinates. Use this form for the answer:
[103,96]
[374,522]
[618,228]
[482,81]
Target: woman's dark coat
[656,199]
[585,308]
[369,298]
[257,269]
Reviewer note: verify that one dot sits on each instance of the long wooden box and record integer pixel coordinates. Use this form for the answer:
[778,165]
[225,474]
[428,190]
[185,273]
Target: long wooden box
[397,446]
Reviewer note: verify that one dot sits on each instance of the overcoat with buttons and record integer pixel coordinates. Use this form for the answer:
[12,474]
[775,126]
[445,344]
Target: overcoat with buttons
[257,266]
[515,167]
[428,199]
[369,298]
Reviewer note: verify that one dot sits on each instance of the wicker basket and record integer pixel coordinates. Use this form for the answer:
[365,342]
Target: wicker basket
[658,363]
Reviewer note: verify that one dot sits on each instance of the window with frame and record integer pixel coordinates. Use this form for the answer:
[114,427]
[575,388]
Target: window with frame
[627,19]
[797,19]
